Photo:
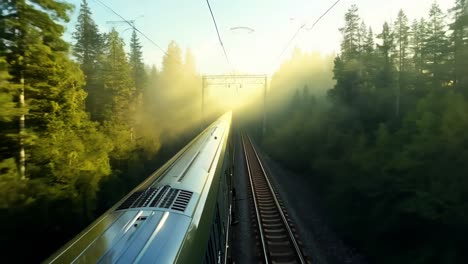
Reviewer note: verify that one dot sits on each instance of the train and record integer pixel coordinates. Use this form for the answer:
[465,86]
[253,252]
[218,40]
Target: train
[180,214]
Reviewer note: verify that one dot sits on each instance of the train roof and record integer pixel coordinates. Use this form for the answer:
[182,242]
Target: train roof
[151,223]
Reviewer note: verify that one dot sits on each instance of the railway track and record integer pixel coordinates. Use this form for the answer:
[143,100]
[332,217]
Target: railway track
[278,242]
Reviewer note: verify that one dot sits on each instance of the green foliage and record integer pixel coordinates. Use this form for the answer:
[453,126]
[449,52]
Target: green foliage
[92,127]
[10,111]
[136,63]
[66,156]
[120,108]
[394,185]
[351,34]
[311,70]
[12,189]
[88,46]
[175,91]
[459,40]
[435,46]
[71,144]
[88,50]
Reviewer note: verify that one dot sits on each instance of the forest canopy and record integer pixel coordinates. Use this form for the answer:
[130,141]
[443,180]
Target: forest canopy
[379,129]
[81,123]
[386,147]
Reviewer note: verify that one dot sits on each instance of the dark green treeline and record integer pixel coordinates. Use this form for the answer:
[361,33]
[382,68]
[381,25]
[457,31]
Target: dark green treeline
[387,148]
[92,125]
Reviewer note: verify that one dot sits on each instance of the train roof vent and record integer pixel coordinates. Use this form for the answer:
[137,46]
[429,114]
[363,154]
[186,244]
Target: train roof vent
[169,198]
[182,200]
[160,195]
[146,197]
[130,200]
[139,199]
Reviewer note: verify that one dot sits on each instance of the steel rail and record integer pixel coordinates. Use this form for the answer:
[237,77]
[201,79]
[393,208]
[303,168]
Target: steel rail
[295,245]
[257,211]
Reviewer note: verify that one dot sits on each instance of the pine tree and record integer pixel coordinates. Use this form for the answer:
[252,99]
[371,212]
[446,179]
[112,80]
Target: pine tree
[169,81]
[436,48]
[348,65]
[136,63]
[10,113]
[71,150]
[10,110]
[172,61]
[88,50]
[369,60]
[148,125]
[385,50]
[53,88]
[11,187]
[350,32]
[67,156]
[5,34]
[387,45]
[459,39]
[88,45]
[121,102]
[30,38]
[362,37]
[418,29]
[369,44]
[151,94]
[401,33]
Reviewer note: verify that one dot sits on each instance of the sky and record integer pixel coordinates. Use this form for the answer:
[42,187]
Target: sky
[189,23]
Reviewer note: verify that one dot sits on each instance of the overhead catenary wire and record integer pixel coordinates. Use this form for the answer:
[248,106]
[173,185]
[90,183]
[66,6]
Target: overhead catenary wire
[219,36]
[303,26]
[132,26]
[291,40]
[130,23]
[324,14]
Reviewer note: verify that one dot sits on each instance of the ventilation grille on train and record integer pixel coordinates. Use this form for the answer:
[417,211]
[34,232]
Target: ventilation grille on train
[182,200]
[165,197]
[139,199]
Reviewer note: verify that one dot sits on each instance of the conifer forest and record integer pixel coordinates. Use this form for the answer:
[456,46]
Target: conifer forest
[379,128]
